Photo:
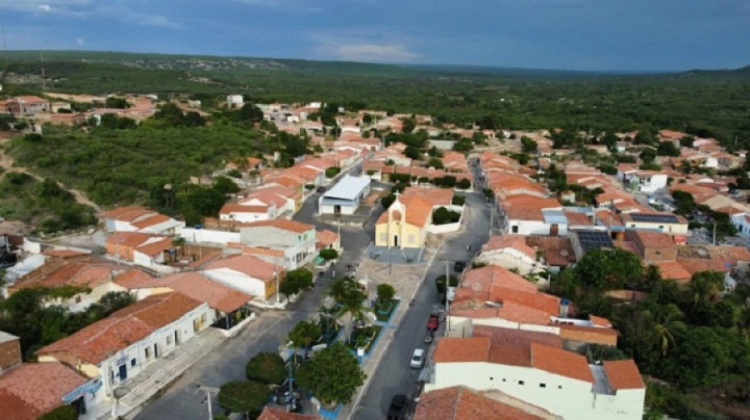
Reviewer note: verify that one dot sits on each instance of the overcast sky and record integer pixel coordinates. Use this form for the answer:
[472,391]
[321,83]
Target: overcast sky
[544,34]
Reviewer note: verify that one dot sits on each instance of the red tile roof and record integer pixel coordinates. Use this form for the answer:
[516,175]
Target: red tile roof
[40,385]
[101,339]
[247,265]
[131,279]
[561,362]
[623,374]
[155,247]
[151,221]
[517,242]
[130,239]
[15,408]
[450,350]
[273,413]
[557,251]
[290,225]
[484,278]
[516,338]
[462,403]
[200,288]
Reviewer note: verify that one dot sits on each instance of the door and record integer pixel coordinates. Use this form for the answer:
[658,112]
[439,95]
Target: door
[336,209]
[553,230]
[395,241]
[123,372]
[156,351]
[176,337]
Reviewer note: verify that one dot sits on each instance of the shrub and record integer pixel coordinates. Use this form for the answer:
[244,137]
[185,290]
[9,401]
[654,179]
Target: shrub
[443,216]
[329,254]
[458,200]
[386,292]
[244,396]
[464,184]
[267,368]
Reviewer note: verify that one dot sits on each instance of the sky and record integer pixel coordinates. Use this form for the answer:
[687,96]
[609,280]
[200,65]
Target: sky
[596,35]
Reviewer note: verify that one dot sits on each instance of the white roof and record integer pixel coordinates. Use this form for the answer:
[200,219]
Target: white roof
[348,188]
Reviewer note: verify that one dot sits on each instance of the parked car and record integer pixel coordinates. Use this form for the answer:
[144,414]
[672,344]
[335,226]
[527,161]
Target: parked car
[459,266]
[321,189]
[417,359]
[433,322]
[398,407]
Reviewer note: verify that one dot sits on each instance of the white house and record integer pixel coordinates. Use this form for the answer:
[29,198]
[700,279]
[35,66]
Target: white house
[641,180]
[741,222]
[553,379]
[295,239]
[139,219]
[120,346]
[511,252]
[247,274]
[345,197]
[235,101]
[247,213]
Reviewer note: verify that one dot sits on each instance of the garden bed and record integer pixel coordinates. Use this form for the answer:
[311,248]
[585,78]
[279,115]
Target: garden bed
[364,338]
[384,310]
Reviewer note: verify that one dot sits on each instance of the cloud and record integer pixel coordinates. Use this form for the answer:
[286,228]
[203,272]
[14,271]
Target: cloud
[44,8]
[371,52]
[79,41]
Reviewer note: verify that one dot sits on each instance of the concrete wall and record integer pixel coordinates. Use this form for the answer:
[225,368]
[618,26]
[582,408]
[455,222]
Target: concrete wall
[208,235]
[530,227]
[239,281]
[510,258]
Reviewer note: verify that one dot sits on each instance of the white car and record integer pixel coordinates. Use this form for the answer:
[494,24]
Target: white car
[417,359]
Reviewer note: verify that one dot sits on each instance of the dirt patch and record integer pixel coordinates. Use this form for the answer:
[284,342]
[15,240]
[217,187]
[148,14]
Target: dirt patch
[13,227]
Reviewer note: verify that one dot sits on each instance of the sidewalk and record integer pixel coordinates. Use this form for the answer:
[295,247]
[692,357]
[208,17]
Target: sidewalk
[159,374]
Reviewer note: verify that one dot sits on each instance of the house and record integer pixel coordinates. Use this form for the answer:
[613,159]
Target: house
[641,180]
[652,246]
[139,219]
[235,101]
[31,390]
[242,213]
[741,222]
[122,345]
[92,277]
[556,380]
[327,239]
[405,223]
[557,252]
[672,224]
[296,240]
[523,214]
[511,252]
[461,402]
[21,106]
[345,197]
[247,274]
[230,305]
[142,249]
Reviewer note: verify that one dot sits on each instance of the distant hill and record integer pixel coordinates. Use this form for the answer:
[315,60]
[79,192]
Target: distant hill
[742,72]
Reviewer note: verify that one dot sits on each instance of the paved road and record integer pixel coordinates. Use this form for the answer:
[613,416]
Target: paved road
[393,375]
[267,333]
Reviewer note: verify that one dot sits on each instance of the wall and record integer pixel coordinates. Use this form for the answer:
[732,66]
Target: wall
[670,228]
[504,323]
[563,396]
[529,227]
[330,209]
[244,217]
[10,354]
[208,235]
[510,258]
[238,281]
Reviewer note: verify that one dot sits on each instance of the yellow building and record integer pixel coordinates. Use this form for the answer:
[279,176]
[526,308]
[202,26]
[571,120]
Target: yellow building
[404,224]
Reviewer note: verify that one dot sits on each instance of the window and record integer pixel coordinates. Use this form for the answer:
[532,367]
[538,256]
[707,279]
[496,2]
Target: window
[132,362]
[520,382]
[542,385]
[148,353]
[169,340]
[661,227]
[514,229]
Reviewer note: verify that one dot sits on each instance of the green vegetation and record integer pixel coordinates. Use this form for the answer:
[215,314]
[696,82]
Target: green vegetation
[329,254]
[443,216]
[440,283]
[296,281]
[63,412]
[244,396]
[267,368]
[332,374]
[24,314]
[691,337]
[305,334]
[44,204]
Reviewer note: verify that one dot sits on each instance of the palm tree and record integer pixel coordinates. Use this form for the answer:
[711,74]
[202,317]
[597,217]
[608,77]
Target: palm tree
[667,322]
[340,286]
[304,334]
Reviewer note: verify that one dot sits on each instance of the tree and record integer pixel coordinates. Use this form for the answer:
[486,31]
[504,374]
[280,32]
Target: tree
[63,412]
[267,368]
[684,203]
[440,283]
[225,185]
[463,184]
[329,254]
[202,202]
[304,334]
[243,396]
[667,323]
[387,200]
[442,216]
[296,281]
[435,162]
[353,303]
[608,269]
[528,145]
[332,171]
[667,148]
[339,286]
[386,292]
[113,102]
[332,375]
[648,155]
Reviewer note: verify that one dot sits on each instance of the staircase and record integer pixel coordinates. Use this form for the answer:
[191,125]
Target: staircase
[163,371]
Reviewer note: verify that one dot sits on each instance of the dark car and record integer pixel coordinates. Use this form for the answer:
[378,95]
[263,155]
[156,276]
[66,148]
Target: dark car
[459,266]
[321,189]
[398,407]
[433,322]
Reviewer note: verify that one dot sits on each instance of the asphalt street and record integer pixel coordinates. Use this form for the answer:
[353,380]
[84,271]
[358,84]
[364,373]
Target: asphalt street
[182,400]
[393,375]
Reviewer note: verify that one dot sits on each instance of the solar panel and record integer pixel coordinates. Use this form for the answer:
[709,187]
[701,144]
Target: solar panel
[654,218]
[590,239]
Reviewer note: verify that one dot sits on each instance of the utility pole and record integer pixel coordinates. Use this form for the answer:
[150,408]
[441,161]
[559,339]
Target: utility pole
[276,277]
[447,300]
[290,379]
[209,392]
